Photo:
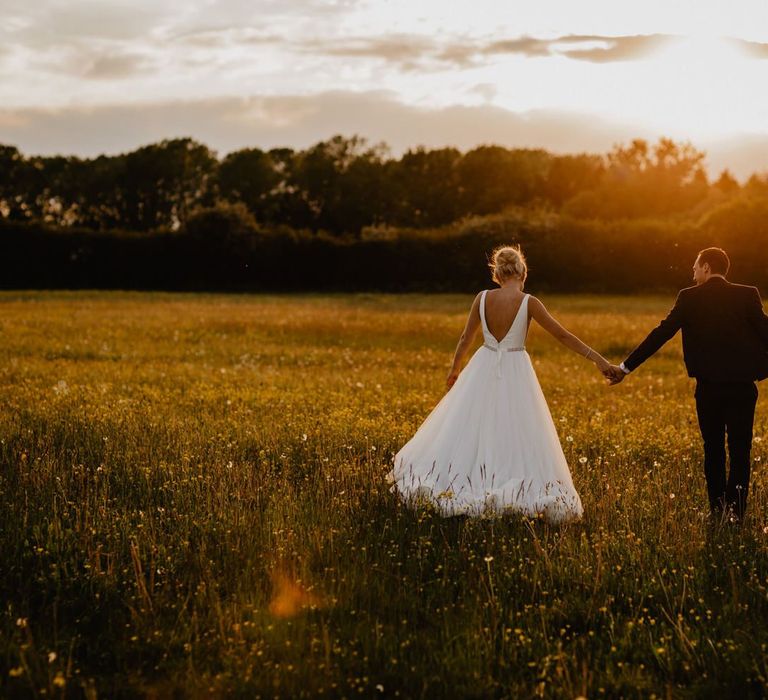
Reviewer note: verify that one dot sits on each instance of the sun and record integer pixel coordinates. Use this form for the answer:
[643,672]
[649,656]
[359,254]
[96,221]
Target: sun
[703,85]
[715,54]
[690,87]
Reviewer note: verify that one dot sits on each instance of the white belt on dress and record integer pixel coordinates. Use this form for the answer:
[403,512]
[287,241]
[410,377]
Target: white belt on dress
[498,360]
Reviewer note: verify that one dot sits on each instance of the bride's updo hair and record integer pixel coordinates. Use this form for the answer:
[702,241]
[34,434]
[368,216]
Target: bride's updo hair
[508,261]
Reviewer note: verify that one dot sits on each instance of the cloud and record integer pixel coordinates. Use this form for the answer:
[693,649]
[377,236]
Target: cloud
[92,63]
[754,49]
[244,11]
[411,51]
[227,124]
[218,37]
[110,67]
[526,45]
[52,24]
[395,47]
[619,48]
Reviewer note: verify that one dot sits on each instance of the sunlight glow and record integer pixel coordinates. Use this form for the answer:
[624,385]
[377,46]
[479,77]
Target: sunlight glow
[688,87]
[709,84]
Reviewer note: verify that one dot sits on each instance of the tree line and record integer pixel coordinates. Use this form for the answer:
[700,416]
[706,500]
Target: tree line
[343,216]
[343,186]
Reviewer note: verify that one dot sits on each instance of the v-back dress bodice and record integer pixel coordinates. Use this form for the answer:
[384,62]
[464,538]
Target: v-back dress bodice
[513,341]
[490,445]
[515,336]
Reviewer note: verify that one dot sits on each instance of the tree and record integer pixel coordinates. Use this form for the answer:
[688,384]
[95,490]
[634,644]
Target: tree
[14,194]
[336,180]
[727,183]
[643,181]
[492,178]
[427,187]
[161,183]
[250,176]
[570,174]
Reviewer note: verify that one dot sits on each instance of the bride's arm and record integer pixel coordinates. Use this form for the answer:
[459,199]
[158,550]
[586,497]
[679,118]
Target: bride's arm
[465,340]
[538,311]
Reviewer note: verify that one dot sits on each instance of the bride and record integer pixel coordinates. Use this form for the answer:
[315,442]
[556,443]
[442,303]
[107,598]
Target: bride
[490,445]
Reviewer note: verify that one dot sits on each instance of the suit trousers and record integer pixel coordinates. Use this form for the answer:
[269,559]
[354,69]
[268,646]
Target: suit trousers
[726,408]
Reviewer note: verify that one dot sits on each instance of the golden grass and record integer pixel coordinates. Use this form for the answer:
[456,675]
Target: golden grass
[192,501]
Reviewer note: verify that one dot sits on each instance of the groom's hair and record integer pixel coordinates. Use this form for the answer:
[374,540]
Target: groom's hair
[717,259]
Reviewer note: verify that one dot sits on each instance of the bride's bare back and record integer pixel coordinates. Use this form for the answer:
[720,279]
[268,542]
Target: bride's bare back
[501,308]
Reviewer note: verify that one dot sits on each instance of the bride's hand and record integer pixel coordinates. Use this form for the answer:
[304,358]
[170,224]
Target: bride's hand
[602,364]
[450,380]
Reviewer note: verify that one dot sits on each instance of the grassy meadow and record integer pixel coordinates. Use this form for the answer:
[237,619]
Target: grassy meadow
[193,504]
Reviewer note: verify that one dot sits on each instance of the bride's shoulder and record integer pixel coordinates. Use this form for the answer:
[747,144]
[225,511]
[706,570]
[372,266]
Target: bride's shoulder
[535,304]
[476,300]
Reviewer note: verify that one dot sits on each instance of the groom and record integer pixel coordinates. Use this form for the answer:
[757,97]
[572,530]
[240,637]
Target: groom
[725,347]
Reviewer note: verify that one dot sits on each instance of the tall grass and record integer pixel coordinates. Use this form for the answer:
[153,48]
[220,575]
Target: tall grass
[192,503]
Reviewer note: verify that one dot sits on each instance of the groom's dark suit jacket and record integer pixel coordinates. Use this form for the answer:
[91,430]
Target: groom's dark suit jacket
[725,333]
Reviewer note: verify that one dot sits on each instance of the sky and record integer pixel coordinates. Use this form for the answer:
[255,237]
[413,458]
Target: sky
[86,77]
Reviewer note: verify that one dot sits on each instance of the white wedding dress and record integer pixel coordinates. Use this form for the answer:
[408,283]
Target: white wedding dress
[490,445]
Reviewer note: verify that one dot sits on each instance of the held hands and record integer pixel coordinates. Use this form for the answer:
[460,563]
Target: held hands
[602,364]
[615,374]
